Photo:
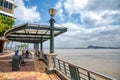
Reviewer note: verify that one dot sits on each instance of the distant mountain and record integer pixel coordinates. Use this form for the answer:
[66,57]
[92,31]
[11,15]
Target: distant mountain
[100,47]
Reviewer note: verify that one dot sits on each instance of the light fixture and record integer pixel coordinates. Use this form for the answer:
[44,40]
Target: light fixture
[52,12]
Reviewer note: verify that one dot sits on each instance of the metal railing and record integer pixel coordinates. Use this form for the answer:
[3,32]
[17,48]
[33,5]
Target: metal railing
[77,73]
[42,56]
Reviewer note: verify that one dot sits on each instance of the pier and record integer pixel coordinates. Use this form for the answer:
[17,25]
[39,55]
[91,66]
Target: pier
[36,69]
[33,70]
[47,66]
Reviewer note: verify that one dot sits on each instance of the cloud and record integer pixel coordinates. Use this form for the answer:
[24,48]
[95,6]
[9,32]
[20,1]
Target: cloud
[103,18]
[94,12]
[26,14]
[59,9]
[98,22]
[80,36]
[74,6]
[98,5]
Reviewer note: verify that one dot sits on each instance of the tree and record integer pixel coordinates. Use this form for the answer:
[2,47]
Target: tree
[5,24]
[23,46]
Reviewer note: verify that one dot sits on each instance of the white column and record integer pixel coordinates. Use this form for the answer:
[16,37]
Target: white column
[50,61]
[41,54]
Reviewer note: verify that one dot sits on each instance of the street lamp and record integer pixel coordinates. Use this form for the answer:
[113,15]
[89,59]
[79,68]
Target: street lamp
[52,13]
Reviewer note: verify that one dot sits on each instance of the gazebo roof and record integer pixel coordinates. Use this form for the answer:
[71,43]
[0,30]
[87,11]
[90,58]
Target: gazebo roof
[32,33]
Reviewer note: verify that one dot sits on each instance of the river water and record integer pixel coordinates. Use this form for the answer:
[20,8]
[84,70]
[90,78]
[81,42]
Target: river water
[105,61]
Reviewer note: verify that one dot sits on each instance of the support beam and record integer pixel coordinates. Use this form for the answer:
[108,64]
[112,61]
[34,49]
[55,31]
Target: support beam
[41,44]
[36,46]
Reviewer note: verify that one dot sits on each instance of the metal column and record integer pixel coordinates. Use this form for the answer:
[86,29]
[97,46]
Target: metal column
[41,45]
[36,46]
[52,35]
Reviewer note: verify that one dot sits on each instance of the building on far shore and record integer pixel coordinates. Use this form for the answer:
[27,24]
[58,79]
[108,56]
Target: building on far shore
[6,9]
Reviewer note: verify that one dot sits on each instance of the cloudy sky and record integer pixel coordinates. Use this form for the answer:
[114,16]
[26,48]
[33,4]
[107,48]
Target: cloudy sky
[89,22]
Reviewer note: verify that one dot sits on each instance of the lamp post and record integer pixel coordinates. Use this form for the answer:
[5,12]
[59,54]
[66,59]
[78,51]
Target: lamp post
[52,13]
[50,57]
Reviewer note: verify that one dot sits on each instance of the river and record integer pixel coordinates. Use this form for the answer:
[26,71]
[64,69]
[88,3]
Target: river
[105,61]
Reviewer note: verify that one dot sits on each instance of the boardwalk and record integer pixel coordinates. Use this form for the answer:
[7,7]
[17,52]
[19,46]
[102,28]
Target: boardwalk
[33,70]
[40,67]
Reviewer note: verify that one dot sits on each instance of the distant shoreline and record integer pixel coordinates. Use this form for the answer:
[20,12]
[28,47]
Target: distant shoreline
[89,47]
[85,48]
[100,47]
[92,47]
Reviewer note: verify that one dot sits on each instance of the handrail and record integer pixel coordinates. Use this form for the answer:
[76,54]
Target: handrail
[44,57]
[77,73]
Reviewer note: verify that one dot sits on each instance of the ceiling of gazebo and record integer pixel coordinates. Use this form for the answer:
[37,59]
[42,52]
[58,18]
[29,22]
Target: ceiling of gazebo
[32,33]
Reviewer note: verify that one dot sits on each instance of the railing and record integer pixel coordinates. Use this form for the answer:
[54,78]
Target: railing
[77,73]
[42,56]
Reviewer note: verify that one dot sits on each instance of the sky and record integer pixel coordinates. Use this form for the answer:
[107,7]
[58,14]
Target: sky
[89,22]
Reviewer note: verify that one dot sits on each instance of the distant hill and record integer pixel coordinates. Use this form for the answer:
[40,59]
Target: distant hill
[100,47]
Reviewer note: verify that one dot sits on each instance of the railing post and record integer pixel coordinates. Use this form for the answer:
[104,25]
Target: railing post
[74,73]
[59,65]
[50,62]
[88,75]
[54,63]
[64,68]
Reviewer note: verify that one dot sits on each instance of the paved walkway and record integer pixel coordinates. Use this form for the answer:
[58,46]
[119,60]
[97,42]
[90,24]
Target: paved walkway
[40,67]
[27,74]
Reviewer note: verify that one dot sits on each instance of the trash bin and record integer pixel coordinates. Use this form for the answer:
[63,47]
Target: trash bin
[15,63]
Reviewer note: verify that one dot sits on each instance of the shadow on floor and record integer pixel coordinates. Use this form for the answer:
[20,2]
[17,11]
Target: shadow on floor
[6,66]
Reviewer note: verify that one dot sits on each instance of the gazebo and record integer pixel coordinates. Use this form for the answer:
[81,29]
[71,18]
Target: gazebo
[36,33]
[33,33]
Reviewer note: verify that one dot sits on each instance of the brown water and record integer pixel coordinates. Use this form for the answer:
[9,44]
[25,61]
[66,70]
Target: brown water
[105,61]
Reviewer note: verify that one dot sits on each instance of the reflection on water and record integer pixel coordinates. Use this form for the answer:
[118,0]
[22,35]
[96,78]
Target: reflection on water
[105,61]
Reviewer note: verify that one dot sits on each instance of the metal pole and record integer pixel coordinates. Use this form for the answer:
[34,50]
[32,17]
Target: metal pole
[51,35]
[41,45]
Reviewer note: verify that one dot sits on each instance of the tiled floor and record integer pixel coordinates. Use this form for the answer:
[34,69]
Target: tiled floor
[40,67]
[18,76]
[38,74]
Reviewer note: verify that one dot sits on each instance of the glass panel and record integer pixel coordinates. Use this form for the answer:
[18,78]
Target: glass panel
[1,2]
[10,6]
[6,4]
